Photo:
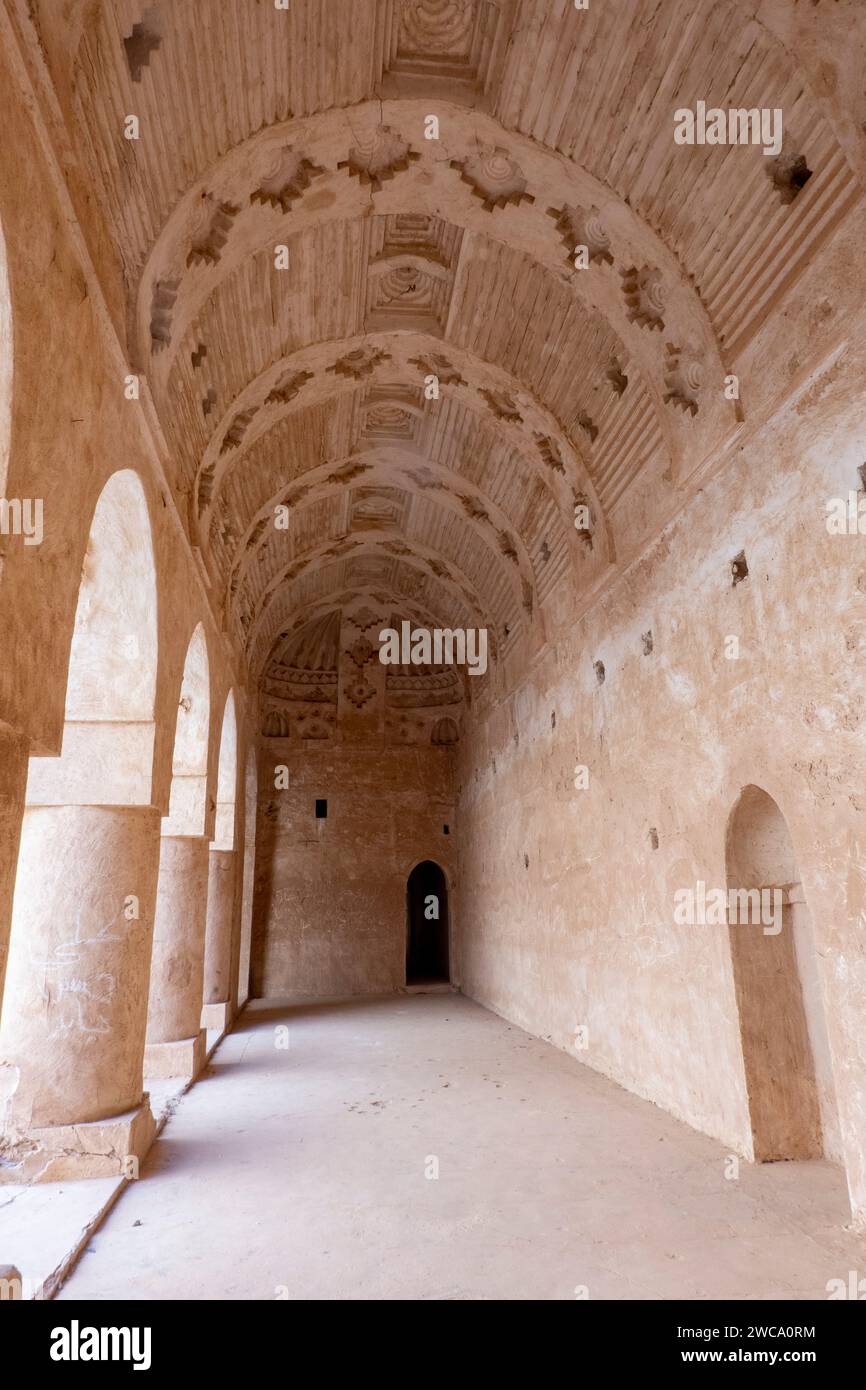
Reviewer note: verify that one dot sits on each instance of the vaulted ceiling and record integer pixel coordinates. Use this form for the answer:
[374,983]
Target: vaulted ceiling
[382,339]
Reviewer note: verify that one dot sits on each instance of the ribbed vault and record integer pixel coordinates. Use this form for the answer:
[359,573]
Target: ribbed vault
[378,367]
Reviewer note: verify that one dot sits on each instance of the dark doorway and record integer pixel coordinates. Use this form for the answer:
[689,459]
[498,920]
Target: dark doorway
[427,925]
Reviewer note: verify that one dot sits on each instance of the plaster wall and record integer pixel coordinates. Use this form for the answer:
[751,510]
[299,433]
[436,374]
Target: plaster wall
[329,915]
[566,895]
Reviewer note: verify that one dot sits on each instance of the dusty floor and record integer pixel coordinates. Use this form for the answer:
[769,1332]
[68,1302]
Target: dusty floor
[300,1173]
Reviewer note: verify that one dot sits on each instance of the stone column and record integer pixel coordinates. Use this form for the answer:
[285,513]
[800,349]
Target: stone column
[73,1030]
[217,1009]
[13,782]
[175,1039]
[245,934]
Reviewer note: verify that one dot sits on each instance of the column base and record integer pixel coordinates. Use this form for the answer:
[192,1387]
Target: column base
[217,1016]
[184,1058]
[94,1149]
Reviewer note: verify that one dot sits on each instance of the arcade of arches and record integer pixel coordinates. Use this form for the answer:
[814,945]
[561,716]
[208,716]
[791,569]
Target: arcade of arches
[339,317]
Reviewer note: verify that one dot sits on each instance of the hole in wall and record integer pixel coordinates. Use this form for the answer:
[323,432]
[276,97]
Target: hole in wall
[790,173]
[589,427]
[654,838]
[321,808]
[140,44]
[526,861]
[617,379]
[739,569]
[861,473]
[445,830]
[598,668]
[553,719]
[646,641]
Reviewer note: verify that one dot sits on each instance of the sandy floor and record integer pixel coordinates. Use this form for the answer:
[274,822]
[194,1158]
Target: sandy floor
[301,1173]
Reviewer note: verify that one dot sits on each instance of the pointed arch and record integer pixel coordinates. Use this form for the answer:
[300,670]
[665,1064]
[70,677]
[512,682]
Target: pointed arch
[227,778]
[188,799]
[108,733]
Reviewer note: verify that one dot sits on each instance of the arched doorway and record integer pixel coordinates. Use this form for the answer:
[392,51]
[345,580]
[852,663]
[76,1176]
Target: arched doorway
[427,925]
[786,1052]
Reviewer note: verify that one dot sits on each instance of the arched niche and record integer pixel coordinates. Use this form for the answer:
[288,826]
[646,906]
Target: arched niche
[786,1052]
[188,798]
[107,752]
[445,731]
